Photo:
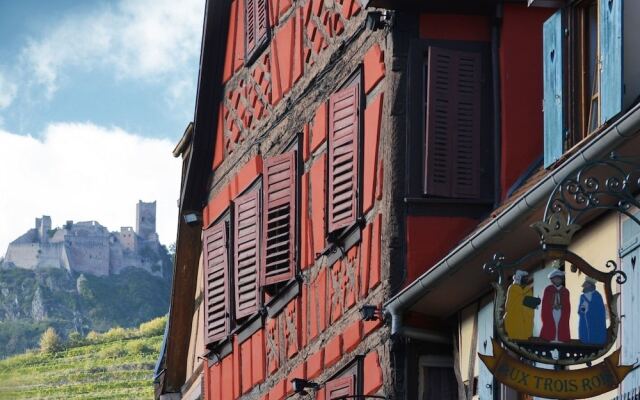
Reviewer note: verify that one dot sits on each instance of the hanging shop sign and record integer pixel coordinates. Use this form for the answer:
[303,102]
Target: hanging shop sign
[535,351]
[570,384]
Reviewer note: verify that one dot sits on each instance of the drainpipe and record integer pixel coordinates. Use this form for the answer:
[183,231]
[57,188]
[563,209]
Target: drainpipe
[624,128]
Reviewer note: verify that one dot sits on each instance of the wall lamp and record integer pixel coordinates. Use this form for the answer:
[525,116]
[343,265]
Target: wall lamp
[377,19]
[371,312]
[192,217]
[299,385]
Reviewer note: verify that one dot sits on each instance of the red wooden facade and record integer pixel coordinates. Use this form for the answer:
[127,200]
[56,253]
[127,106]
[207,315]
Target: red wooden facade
[329,175]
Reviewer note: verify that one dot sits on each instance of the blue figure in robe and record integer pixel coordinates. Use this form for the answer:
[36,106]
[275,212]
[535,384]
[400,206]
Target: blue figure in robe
[592,326]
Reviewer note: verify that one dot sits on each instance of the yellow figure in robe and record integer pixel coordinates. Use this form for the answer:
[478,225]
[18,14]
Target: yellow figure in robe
[518,317]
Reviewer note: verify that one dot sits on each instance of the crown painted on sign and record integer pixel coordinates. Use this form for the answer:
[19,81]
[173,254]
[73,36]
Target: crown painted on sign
[556,230]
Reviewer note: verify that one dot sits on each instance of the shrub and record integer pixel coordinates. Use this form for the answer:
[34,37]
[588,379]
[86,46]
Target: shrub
[50,341]
[116,333]
[75,339]
[154,327]
[93,337]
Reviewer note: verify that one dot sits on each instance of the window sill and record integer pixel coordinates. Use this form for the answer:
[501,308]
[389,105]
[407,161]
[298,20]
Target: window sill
[447,201]
[245,330]
[251,58]
[218,351]
[350,237]
[283,297]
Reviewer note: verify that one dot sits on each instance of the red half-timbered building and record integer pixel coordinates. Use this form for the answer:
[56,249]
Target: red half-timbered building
[340,150]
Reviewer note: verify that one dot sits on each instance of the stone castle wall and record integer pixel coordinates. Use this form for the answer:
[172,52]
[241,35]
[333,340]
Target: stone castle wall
[88,247]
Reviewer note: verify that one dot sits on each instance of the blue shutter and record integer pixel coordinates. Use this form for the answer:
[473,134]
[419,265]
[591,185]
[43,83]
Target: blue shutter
[485,333]
[610,32]
[630,259]
[553,88]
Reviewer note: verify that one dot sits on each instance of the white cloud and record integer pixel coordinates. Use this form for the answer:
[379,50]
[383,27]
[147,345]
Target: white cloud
[8,91]
[80,171]
[153,40]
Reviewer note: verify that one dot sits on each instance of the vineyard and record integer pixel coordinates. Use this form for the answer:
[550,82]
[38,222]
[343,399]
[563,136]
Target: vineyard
[115,365]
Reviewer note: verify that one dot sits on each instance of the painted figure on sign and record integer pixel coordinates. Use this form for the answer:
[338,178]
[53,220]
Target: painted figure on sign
[592,325]
[556,309]
[518,317]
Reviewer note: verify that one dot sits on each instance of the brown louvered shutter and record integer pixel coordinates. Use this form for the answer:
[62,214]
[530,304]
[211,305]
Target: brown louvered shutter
[452,123]
[246,255]
[343,157]
[249,27]
[262,21]
[279,219]
[256,26]
[216,282]
[340,387]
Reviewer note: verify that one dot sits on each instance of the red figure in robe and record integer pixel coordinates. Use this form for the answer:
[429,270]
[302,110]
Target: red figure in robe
[555,298]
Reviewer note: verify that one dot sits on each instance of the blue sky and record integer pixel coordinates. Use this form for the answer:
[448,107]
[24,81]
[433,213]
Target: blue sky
[73,74]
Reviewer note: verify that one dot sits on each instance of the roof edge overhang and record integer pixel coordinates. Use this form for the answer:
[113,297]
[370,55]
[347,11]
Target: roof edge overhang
[209,93]
[622,130]
[184,142]
[194,191]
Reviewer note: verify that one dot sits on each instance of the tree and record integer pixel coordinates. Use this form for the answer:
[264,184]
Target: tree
[50,341]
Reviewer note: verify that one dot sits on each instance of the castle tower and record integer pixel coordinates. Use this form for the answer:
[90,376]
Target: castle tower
[43,226]
[145,219]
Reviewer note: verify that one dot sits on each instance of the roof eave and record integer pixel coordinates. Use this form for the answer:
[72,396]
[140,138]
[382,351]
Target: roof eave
[194,191]
[622,130]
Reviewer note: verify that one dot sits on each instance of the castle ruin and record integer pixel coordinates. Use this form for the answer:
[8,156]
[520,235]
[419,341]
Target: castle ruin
[88,247]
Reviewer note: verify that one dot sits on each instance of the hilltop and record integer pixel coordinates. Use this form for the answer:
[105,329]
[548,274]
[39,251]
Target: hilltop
[115,365]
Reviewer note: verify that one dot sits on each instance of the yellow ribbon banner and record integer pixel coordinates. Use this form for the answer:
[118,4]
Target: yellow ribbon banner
[564,384]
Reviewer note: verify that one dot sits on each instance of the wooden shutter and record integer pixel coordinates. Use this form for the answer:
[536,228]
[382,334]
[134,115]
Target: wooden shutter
[553,88]
[453,123]
[256,28]
[610,32]
[484,346]
[630,260]
[216,282]
[249,27]
[278,232]
[246,254]
[262,21]
[343,157]
[337,388]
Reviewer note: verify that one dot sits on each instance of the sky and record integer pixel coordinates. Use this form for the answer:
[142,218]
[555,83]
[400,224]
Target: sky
[94,95]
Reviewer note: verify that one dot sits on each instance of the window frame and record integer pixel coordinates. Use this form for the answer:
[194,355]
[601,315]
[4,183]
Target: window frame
[577,66]
[277,295]
[417,200]
[354,369]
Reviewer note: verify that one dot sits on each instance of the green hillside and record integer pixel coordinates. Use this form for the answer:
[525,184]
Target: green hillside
[33,300]
[117,364]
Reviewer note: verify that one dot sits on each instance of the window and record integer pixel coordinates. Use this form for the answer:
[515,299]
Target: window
[279,219]
[247,254]
[436,378]
[256,28]
[344,157]
[585,77]
[451,140]
[452,106]
[590,56]
[216,282]
[341,387]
